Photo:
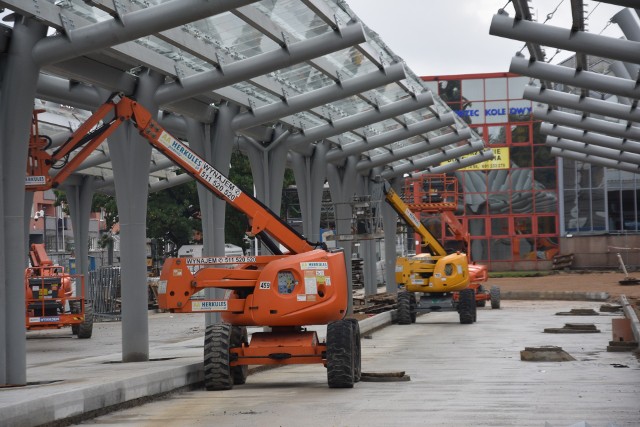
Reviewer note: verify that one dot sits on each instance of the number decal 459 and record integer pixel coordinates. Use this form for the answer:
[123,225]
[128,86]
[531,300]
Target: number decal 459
[265,285]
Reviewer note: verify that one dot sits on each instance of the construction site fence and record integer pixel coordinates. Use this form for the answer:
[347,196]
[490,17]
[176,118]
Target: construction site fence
[104,291]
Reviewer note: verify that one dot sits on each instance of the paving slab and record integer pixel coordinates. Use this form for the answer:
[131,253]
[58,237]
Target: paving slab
[459,375]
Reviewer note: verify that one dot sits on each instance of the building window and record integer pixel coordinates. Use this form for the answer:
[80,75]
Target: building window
[473,89]
[547,225]
[496,88]
[500,226]
[477,227]
[497,135]
[520,134]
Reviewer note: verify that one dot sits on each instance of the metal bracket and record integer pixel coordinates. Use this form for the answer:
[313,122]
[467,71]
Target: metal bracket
[180,72]
[375,100]
[121,11]
[285,95]
[338,22]
[220,62]
[68,25]
[339,77]
[383,61]
[252,105]
[286,40]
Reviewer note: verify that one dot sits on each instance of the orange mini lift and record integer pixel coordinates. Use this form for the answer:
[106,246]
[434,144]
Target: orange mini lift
[51,302]
[307,285]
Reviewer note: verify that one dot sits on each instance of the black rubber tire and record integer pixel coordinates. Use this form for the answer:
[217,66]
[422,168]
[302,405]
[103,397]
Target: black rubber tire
[238,337]
[475,308]
[217,372]
[466,306]
[340,354]
[74,306]
[413,306]
[494,293]
[357,349]
[482,302]
[404,308]
[85,329]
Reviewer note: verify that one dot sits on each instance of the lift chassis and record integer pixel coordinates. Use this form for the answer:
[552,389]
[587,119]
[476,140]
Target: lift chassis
[434,280]
[304,285]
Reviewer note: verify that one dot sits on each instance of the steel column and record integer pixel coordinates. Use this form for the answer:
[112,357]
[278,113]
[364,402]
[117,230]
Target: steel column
[215,142]
[310,174]
[80,198]
[342,185]
[131,155]
[390,226]
[18,90]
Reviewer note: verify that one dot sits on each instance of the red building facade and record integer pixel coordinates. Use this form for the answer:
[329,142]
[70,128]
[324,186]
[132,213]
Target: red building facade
[511,203]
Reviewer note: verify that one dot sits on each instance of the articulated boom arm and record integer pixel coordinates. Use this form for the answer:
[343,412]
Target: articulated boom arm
[264,223]
[403,210]
[38,256]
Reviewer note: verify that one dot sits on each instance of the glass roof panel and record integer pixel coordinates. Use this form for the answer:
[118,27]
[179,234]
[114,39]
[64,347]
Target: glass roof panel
[267,22]
[293,16]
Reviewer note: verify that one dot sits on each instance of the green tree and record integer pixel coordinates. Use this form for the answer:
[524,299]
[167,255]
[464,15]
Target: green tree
[235,221]
[173,214]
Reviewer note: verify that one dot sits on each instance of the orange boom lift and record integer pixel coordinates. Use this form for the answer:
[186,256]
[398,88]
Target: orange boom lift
[304,285]
[54,298]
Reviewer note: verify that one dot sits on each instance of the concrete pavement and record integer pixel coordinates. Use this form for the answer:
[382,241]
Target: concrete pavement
[460,375]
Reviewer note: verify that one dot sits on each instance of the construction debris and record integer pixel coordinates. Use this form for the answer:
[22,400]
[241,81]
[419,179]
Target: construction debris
[627,279]
[578,312]
[610,308]
[545,354]
[615,346]
[574,328]
[562,262]
[384,376]
[374,304]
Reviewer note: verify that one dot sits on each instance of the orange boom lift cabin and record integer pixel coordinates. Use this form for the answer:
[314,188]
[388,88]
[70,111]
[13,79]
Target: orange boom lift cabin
[305,285]
[54,298]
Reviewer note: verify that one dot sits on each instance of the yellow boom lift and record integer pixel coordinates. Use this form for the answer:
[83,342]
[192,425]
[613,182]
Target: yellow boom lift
[433,280]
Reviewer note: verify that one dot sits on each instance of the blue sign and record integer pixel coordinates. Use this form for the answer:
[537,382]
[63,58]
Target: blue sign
[488,112]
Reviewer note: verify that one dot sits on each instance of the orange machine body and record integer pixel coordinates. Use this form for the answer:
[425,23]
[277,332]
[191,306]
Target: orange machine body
[288,290]
[50,293]
[301,284]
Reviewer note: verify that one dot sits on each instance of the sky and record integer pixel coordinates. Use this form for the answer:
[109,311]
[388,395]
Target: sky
[445,37]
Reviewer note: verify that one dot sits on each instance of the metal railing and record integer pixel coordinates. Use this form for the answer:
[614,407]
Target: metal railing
[104,292]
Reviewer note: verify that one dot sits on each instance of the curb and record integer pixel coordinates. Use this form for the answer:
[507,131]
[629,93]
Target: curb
[554,295]
[630,314]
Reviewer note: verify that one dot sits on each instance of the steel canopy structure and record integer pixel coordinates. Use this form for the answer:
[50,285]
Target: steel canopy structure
[588,102]
[301,84]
